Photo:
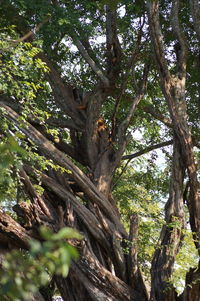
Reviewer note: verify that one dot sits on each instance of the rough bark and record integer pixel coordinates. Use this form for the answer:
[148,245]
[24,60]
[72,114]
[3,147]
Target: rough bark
[108,240]
[83,200]
[192,287]
[171,234]
[173,87]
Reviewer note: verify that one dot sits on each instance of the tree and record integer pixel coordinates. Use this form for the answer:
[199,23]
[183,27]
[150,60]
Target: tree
[78,78]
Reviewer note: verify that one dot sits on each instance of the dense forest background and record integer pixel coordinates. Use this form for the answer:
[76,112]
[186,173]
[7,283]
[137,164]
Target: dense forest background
[99,142]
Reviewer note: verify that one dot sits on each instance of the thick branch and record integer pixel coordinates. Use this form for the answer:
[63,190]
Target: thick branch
[133,250]
[114,51]
[130,65]
[171,234]
[82,212]
[63,123]
[59,143]
[182,49]
[101,284]
[11,232]
[174,91]
[192,285]
[63,93]
[157,37]
[86,44]
[58,157]
[135,277]
[33,193]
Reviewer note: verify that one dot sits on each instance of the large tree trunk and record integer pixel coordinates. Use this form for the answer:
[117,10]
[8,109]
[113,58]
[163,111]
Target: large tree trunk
[171,234]
[103,270]
[173,87]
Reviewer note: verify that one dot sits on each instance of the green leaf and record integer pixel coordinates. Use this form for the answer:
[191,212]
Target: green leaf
[66,233]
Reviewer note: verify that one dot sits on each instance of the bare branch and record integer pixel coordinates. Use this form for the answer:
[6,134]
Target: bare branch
[140,153]
[147,149]
[91,62]
[181,47]
[157,37]
[130,64]
[195,9]
[86,44]
[124,125]
[123,138]
[29,34]
[33,193]
[114,52]
[157,115]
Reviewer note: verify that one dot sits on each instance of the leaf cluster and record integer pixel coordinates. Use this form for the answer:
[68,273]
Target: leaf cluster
[23,272]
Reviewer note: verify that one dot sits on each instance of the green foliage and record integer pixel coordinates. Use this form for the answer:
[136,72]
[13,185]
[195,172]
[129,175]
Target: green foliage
[20,70]
[139,192]
[187,258]
[9,165]
[24,272]
[143,188]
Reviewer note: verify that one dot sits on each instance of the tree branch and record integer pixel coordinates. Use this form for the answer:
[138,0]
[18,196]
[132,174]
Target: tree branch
[91,62]
[195,9]
[14,234]
[63,123]
[33,193]
[135,276]
[171,235]
[63,93]
[157,37]
[181,52]
[114,52]
[157,115]
[140,153]
[125,123]
[87,217]
[102,284]
[130,64]
[174,92]
[146,150]
[31,33]
[58,157]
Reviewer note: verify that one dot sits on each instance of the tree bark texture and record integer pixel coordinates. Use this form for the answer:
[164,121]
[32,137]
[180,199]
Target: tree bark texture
[81,197]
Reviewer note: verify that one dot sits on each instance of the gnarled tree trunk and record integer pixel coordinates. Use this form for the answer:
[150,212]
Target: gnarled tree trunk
[79,193]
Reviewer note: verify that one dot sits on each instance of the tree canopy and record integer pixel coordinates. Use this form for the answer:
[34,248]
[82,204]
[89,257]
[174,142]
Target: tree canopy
[99,109]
